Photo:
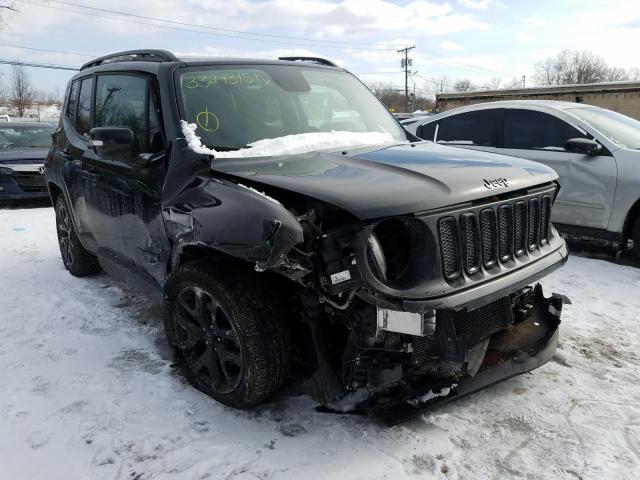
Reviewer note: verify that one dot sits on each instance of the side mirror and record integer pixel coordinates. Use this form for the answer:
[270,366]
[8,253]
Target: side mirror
[584,146]
[112,143]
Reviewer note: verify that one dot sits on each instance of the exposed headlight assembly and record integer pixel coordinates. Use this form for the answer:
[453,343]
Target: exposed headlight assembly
[396,251]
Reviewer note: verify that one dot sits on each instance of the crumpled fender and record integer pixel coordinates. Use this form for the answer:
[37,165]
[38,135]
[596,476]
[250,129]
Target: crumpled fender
[241,222]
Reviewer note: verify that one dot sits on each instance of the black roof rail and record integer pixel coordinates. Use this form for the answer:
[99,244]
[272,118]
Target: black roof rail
[321,61]
[132,56]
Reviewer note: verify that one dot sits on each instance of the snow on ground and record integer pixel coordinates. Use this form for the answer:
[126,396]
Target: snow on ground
[87,392]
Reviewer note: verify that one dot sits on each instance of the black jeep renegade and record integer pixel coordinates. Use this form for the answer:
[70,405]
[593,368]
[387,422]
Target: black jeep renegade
[294,230]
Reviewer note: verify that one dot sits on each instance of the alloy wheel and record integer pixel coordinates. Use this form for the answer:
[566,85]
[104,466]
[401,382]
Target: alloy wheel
[65,230]
[208,340]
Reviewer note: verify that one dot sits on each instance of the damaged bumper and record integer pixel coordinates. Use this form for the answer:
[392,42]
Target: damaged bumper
[522,348]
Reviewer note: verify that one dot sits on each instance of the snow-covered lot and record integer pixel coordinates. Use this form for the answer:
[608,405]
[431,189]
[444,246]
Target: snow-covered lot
[87,392]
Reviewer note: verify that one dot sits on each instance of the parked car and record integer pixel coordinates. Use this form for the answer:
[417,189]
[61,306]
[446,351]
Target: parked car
[595,151]
[23,150]
[373,269]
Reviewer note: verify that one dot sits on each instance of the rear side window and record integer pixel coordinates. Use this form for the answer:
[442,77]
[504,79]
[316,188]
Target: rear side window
[427,131]
[531,130]
[72,102]
[121,101]
[83,123]
[472,128]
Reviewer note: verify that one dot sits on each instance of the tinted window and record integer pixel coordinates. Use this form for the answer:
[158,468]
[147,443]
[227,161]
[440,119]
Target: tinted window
[83,123]
[72,103]
[121,102]
[473,128]
[428,131]
[528,129]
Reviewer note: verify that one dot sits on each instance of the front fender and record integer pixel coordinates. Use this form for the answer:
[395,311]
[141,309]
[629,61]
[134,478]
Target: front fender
[232,219]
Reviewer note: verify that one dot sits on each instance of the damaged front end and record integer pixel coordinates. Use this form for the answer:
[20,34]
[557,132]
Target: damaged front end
[392,315]
[414,312]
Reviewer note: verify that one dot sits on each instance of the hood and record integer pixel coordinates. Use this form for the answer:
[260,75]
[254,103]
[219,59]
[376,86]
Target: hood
[23,155]
[394,180]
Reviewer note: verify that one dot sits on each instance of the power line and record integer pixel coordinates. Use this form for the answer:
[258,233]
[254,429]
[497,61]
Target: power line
[22,47]
[227,33]
[38,65]
[243,32]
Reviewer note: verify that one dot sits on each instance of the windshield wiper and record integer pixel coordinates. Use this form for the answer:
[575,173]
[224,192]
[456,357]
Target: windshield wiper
[225,149]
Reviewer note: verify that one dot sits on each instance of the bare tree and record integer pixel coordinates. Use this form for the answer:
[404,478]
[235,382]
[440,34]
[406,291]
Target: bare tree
[515,82]
[393,98]
[576,67]
[463,85]
[20,90]
[493,84]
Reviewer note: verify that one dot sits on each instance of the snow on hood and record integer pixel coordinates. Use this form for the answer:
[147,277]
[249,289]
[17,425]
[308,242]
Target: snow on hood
[292,144]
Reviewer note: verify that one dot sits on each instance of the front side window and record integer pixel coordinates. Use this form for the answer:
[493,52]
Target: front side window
[532,130]
[472,128]
[121,101]
[83,123]
[620,129]
[235,106]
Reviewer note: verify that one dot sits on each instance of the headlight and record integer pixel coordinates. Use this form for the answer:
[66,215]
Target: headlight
[5,171]
[376,257]
[389,248]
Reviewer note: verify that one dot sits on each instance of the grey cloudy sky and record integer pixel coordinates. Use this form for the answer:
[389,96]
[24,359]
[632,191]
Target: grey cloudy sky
[475,39]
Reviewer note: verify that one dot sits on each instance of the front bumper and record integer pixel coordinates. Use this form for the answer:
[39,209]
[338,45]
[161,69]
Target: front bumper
[509,354]
[23,185]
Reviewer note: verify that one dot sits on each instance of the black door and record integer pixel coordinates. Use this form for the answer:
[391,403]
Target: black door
[123,194]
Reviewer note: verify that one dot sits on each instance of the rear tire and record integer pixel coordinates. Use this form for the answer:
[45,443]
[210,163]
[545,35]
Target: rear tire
[76,259]
[227,331]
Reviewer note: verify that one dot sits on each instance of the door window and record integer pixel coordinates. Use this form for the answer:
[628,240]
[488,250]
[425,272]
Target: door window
[83,123]
[427,131]
[72,103]
[531,130]
[472,128]
[121,101]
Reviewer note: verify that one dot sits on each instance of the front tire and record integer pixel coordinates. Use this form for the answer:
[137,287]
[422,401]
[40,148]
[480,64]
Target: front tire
[636,238]
[75,257]
[228,333]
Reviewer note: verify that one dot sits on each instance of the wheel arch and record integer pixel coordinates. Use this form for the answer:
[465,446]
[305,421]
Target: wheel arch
[630,221]
[54,192]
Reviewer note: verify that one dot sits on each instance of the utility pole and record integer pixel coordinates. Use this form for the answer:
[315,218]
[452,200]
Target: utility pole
[406,63]
[523,80]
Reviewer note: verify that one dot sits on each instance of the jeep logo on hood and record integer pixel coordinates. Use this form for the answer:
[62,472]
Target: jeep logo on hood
[495,183]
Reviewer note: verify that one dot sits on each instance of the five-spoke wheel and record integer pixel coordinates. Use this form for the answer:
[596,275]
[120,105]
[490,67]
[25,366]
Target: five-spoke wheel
[228,331]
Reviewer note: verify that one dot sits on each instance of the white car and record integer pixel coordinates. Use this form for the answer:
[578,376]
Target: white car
[595,151]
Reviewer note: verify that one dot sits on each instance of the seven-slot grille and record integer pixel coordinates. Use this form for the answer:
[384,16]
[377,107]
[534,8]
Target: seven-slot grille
[494,234]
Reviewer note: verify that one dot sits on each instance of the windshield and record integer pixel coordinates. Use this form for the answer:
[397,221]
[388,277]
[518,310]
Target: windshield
[235,106]
[21,136]
[620,129]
